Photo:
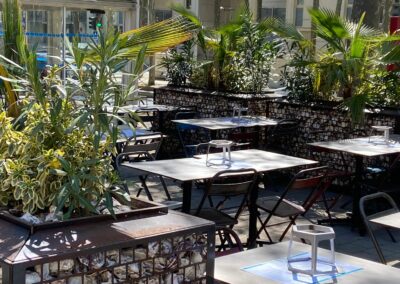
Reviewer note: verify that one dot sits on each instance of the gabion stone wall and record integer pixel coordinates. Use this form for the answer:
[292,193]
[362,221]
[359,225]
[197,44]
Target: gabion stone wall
[316,122]
[211,104]
[171,260]
[326,123]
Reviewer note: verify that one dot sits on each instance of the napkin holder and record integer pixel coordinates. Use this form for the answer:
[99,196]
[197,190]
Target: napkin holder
[219,159]
[313,234]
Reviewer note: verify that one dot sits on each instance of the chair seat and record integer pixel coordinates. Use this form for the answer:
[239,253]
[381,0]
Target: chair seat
[129,173]
[212,214]
[333,173]
[285,209]
[172,204]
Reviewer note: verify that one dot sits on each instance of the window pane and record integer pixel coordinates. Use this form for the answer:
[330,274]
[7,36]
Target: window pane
[299,17]
[349,11]
[300,2]
[161,15]
[280,13]
[266,12]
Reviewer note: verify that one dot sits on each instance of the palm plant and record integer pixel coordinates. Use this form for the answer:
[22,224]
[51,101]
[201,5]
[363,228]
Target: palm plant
[342,67]
[238,55]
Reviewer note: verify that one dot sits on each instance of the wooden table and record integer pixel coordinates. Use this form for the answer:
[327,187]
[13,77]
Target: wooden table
[220,123]
[371,146]
[188,170]
[228,268]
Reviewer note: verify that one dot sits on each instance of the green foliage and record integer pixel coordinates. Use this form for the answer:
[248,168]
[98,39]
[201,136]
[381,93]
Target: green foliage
[249,67]
[58,153]
[384,88]
[13,38]
[237,57]
[345,65]
[12,26]
[179,64]
[296,76]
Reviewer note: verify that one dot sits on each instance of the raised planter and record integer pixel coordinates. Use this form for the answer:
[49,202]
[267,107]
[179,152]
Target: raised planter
[313,117]
[147,245]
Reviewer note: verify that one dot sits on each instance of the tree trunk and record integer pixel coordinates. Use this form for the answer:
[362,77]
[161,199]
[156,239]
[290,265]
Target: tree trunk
[339,7]
[387,11]
[259,8]
[313,36]
[371,9]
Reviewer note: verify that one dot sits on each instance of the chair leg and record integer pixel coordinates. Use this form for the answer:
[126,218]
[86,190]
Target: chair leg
[327,208]
[377,247]
[292,222]
[210,201]
[146,189]
[265,230]
[165,187]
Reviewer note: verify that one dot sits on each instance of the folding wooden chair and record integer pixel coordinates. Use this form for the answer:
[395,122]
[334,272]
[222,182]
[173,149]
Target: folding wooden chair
[226,184]
[145,149]
[312,180]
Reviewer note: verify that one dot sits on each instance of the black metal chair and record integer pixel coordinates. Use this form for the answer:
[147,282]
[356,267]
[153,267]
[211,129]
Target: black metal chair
[381,209]
[312,180]
[226,184]
[230,244]
[144,149]
[344,176]
[276,135]
[149,116]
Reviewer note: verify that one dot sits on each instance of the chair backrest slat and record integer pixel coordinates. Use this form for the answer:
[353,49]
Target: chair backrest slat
[150,145]
[230,189]
[229,183]
[307,182]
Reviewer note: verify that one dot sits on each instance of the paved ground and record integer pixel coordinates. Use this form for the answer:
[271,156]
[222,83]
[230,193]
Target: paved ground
[347,241]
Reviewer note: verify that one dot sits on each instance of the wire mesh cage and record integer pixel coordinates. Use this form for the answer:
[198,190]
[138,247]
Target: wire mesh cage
[166,248]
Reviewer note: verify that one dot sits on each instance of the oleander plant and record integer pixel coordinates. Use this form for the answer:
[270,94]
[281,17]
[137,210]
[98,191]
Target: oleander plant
[56,151]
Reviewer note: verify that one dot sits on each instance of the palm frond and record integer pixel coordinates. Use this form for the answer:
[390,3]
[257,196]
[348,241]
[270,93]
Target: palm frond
[159,36]
[283,29]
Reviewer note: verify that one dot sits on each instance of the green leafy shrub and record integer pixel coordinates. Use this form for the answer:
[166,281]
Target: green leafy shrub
[179,64]
[236,57]
[58,153]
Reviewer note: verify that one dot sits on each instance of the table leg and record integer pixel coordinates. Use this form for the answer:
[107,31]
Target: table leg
[356,218]
[187,196]
[251,243]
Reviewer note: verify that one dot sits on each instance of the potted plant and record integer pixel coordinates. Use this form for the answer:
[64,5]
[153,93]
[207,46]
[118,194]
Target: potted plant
[237,57]
[55,157]
[351,57]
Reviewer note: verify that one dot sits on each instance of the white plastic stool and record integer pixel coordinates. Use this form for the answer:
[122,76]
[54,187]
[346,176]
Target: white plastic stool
[314,234]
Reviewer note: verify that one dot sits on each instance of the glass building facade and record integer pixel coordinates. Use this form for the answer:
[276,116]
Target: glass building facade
[45,28]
